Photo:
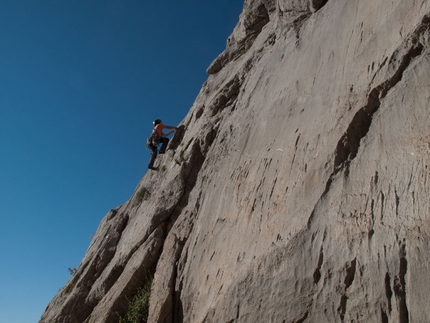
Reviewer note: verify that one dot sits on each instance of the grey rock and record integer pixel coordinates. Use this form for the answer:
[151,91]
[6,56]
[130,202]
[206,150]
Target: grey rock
[297,189]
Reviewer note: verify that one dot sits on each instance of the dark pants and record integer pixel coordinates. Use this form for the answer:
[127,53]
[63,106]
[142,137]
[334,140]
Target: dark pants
[154,153]
[165,142]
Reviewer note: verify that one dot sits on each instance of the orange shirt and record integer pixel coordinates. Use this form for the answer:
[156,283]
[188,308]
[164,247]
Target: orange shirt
[158,129]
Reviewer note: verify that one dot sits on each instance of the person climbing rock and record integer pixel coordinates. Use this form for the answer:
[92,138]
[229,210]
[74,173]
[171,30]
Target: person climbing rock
[157,137]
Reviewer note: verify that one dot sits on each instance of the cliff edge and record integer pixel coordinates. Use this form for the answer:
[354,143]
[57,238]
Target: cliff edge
[297,187]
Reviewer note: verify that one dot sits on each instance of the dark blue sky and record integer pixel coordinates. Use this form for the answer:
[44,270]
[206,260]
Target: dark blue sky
[80,83]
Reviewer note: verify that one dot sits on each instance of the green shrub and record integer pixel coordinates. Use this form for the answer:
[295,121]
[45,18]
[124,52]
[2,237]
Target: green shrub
[72,271]
[141,195]
[138,307]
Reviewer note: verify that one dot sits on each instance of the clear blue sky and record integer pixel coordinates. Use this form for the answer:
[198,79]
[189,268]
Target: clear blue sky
[80,83]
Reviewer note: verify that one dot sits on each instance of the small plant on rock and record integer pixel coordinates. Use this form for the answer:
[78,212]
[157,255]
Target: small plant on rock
[72,271]
[181,156]
[141,195]
[138,307]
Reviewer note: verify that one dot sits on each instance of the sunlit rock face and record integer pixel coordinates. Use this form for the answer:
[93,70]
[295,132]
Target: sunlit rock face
[296,188]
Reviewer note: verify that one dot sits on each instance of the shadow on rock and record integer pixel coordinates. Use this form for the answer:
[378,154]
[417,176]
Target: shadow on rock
[177,138]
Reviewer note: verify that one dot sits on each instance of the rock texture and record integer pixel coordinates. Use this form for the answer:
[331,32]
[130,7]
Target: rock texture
[297,189]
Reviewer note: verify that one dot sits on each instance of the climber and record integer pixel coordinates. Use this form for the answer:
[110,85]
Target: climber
[157,137]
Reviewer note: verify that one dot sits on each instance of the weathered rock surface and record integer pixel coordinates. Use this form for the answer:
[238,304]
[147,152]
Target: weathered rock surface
[297,189]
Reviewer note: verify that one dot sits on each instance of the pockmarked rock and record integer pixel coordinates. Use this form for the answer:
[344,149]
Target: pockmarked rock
[297,189]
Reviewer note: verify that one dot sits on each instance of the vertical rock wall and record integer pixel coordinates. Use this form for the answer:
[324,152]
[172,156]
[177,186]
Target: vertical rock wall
[297,187]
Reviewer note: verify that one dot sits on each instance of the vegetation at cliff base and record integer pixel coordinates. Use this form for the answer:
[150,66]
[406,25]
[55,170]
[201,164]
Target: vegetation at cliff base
[138,307]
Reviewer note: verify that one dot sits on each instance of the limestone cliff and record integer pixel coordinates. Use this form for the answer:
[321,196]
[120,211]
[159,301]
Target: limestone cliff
[297,189]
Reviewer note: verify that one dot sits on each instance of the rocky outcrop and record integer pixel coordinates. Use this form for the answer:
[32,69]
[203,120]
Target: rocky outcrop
[297,187]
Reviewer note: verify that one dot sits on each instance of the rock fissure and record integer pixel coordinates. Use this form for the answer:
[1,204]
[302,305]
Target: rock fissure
[400,286]
[317,272]
[349,278]
[349,144]
[303,318]
[388,291]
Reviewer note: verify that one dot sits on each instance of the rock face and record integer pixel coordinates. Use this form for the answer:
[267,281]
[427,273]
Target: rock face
[297,189]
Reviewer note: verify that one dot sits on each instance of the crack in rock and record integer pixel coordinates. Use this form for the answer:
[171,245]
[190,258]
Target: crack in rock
[349,144]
